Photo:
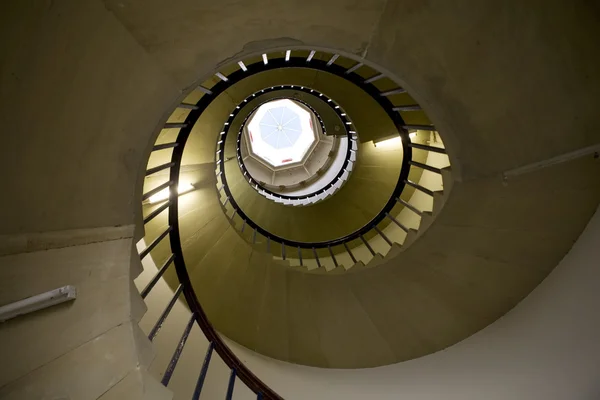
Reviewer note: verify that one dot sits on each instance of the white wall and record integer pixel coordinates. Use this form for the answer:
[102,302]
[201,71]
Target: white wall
[546,348]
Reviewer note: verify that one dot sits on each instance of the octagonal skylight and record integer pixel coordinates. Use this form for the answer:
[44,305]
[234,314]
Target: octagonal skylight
[281,132]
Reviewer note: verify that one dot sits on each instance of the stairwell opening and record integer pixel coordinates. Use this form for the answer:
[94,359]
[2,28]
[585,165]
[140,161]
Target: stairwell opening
[289,149]
[390,195]
[323,169]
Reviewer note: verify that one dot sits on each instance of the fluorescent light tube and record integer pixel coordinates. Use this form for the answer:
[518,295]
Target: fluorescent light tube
[38,302]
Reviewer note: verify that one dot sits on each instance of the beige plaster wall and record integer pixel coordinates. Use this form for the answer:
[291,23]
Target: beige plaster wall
[80,102]
[546,348]
[80,97]
[79,349]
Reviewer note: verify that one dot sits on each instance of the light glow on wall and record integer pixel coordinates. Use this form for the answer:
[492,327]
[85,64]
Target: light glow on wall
[184,187]
[396,141]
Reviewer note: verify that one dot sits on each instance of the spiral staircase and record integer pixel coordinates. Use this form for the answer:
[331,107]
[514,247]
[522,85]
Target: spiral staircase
[371,273]
[428,220]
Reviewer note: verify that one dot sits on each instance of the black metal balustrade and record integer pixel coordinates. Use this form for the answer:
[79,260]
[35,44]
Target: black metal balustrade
[317,194]
[393,113]
[198,316]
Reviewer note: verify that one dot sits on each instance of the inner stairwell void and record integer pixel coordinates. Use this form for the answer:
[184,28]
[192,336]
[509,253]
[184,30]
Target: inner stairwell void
[435,200]
[378,213]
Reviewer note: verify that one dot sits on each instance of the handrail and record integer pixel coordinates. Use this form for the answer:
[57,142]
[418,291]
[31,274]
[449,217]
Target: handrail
[249,379]
[198,316]
[349,134]
[370,89]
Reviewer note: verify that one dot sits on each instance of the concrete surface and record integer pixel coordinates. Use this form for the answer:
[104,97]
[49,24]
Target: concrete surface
[86,86]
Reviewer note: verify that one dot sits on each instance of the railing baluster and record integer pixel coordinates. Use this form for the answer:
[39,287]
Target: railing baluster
[205,90]
[420,127]
[243,226]
[410,207]
[163,146]
[237,368]
[428,148]
[156,277]
[316,257]
[335,263]
[332,59]
[392,92]
[368,246]
[175,359]
[374,78]
[419,187]
[354,68]
[350,253]
[165,313]
[425,166]
[156,241]
[154,213]
[221,77]
[157,189]
[174,125]
[388,241]
[159,168]
[203,371]
[188,106]
[412,107]
[231,384]
[394,220]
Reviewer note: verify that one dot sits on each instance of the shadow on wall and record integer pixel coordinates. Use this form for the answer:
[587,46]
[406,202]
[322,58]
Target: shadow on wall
[546,348]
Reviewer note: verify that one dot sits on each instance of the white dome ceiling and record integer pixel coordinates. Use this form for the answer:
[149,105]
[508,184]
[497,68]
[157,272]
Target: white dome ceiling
[281,132]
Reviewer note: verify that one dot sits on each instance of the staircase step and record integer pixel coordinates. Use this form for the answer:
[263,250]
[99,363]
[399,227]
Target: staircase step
[340,269]
[138,385]
[395,250]
[410,238]
[375,261]
[426,220]
[447,180]
[439,199]
[356,266]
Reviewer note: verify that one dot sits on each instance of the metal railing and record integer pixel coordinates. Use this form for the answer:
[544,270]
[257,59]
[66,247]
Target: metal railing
[171,206]
[198,315]
[323,191]
[382,98]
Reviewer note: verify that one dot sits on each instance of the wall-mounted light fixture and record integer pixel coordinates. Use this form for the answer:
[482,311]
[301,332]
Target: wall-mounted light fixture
[395,141]
[38,302]
[184,187]
[391,140]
